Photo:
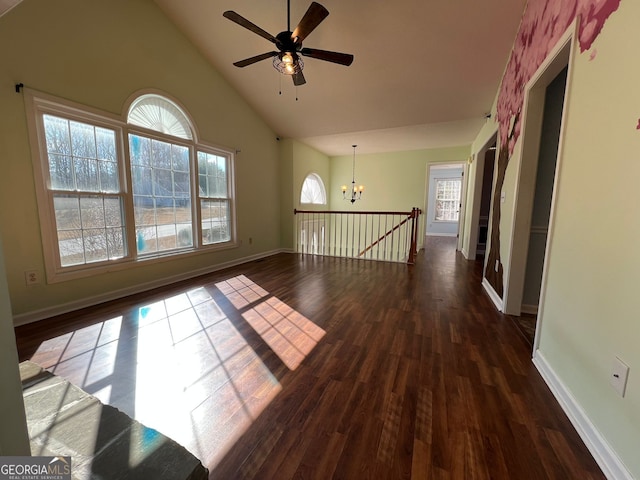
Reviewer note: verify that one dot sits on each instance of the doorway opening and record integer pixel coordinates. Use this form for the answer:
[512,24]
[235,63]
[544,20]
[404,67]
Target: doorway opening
[444,199]
[481,201]
[540,161]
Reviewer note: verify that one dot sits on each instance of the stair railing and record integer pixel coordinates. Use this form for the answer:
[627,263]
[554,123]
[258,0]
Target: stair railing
[384,236]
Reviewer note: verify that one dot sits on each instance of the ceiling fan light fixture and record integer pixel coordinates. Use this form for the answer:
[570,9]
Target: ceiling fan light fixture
[288,63]
[287,57]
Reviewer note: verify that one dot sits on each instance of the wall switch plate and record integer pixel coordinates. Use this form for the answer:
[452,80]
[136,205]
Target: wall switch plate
[619,375]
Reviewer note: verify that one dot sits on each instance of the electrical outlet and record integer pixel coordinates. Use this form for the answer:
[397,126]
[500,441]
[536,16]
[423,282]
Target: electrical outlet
[31,277]
[619,375]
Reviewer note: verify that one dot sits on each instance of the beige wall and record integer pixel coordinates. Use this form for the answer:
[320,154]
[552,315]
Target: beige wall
[393,181]
[98,54]
[13,434]
[287,200]
[590,309]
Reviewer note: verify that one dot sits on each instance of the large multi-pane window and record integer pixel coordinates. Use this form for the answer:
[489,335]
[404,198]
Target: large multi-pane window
[213,191]
[448,199]
[161,181]
[84,190]
[112,192]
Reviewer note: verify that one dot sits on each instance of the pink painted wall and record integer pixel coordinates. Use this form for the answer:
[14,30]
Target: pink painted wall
[543,23]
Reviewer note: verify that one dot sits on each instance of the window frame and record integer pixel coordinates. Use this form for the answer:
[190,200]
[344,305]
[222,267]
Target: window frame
[436,199]
[153,135]
[230,198]
[323,189]
[39,104]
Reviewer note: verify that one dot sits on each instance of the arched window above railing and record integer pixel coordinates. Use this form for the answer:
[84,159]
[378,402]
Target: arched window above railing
[313,191]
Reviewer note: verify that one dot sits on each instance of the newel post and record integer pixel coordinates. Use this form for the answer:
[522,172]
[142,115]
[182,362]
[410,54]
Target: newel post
[413,249]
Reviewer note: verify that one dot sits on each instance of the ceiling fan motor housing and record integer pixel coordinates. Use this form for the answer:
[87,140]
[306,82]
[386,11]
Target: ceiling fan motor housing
[285,42]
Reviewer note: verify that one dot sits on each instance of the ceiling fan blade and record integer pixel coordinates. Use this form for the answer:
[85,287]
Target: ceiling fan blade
[334,57]
[315,14]
[252,60]
[243,22]
[298,79]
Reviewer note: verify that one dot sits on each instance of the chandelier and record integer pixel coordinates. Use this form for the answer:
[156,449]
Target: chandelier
[356,190]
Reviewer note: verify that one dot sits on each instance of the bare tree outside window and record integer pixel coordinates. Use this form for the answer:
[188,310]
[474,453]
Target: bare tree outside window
[160,174]
[213,191]
[85,188]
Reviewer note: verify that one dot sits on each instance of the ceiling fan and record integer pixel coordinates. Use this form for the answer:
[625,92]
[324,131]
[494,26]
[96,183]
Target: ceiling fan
[287,60]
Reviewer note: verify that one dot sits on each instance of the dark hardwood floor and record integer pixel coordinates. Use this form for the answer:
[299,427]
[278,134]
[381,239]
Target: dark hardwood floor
[315,368]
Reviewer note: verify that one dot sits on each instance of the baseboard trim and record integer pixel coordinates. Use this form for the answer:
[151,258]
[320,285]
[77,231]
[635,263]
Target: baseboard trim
[431,234]
[495,298]
[603,454]
[529,309]
[37,315]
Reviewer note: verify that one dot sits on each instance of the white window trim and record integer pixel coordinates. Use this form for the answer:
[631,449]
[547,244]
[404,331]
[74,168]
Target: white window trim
[231,192]
[37,104]
[322,187]
[435,209]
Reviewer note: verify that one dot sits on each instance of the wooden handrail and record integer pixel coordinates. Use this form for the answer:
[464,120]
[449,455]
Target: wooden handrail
[386,235]
[360,212]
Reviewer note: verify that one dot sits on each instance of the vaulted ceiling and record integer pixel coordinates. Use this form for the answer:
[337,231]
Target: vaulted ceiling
[6,5]
[425,71]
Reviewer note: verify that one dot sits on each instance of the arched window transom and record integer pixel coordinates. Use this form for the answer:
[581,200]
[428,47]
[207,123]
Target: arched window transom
[313,190]
[161,115]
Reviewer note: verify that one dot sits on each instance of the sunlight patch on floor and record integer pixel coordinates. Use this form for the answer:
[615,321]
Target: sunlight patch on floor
[182,365]
[290,335]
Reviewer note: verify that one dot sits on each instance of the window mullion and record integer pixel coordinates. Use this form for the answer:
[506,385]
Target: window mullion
[196,210]
[127,191]
[55,245]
